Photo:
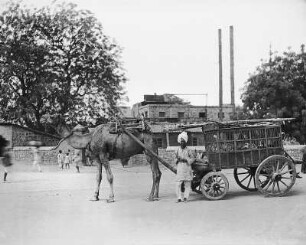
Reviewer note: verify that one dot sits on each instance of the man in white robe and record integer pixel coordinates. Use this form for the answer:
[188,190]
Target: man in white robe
[184,159]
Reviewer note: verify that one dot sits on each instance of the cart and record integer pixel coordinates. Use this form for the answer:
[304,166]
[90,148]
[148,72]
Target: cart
[252,148]
[254,152]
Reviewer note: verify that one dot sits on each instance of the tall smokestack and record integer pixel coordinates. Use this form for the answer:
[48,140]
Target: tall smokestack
[220,76]
[232,66]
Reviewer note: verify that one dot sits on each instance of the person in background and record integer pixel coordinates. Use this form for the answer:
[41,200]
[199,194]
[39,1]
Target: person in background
[184,159]
[5,157]
[67,160]
[202,157]
[60,159]
[78,160]
[70,157]
[303,167]
[37,158]
[88,158]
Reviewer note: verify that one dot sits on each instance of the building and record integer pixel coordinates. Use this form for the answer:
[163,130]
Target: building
[165,136]
[19,136]
[157,108]
[126,111]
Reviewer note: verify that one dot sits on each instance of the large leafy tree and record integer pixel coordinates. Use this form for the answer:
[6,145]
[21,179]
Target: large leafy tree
[57,60]
[278,89]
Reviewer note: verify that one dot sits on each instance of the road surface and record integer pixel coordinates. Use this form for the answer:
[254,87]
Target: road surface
[53,207]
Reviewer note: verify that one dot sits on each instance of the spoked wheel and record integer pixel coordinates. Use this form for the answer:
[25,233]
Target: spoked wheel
[245,178]
[214,185]
[275,176]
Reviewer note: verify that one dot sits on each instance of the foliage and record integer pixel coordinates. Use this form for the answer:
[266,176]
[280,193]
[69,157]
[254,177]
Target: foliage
[278,89]
[173,99]
[241,113]
[56,61]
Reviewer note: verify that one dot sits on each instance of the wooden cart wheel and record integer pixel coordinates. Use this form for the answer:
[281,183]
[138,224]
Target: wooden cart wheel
[275,176]
[214,185]
[245,178]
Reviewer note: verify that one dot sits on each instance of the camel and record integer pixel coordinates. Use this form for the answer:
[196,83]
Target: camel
[105,145]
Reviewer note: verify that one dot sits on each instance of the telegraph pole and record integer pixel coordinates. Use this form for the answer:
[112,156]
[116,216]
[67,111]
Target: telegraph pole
[220,77]
[232,68]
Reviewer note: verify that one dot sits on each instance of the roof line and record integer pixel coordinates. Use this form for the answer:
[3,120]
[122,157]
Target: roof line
[29,129]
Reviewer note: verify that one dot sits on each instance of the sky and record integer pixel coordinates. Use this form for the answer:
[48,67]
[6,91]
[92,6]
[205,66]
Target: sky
[171,46]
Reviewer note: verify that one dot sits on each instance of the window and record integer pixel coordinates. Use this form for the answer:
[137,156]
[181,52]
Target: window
[158,142]
[202,115]
[180,114]
[194,141]
[161,114]
[146,114]
[222,115]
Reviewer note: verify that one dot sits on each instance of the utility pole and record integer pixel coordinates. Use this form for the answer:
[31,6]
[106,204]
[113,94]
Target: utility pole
[232,77]
[220,77]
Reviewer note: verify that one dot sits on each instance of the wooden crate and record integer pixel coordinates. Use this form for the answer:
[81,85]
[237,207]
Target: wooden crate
[232,147]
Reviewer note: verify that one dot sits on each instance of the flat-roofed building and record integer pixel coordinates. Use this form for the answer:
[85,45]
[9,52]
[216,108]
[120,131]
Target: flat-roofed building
[164,111]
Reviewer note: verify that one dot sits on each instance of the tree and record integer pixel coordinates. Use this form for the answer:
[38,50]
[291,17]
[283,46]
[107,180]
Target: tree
[173,99]
[278,89]
[241,113]
[57,61]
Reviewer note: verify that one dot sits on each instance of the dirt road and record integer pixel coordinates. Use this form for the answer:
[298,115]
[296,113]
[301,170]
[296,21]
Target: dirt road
[53,207]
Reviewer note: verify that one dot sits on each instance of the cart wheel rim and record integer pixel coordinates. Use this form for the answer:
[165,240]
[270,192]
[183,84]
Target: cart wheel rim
[214,185]
[275,176]
[245,178]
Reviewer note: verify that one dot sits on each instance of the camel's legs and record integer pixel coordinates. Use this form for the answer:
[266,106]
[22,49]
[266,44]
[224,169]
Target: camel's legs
[156,173]
[99,179]
[110,179]
[157,176]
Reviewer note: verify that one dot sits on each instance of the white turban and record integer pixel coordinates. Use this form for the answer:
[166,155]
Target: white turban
[182,135]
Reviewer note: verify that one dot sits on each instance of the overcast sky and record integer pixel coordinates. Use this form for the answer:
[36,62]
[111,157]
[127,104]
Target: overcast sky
[171,46]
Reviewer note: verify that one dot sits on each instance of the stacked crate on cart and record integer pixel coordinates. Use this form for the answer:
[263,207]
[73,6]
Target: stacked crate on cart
[234,147]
